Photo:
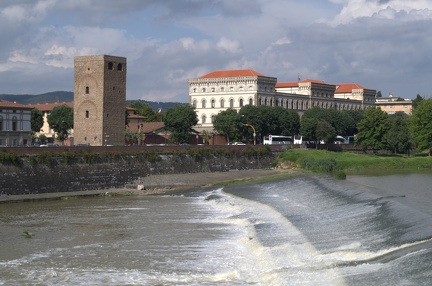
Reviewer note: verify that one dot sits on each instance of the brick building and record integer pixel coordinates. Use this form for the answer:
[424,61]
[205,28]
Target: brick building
[99,100]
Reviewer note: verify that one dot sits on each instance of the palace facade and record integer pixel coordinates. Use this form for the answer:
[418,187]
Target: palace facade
[220,90]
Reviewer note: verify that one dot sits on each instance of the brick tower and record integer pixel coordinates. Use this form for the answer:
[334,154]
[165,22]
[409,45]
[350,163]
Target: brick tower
[99,100]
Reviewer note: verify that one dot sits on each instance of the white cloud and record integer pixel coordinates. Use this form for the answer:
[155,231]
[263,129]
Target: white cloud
[228,45]
[388,9]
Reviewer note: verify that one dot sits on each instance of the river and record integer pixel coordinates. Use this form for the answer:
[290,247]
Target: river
[307,230]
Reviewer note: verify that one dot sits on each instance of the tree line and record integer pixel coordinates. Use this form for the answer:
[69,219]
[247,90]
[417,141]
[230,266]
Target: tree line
[373,128]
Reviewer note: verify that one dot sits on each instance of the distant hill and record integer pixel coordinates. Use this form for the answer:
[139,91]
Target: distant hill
[49,97]
[67,96]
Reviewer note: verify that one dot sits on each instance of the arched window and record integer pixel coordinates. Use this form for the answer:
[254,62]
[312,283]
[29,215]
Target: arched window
[203,103]
[87,90]
[110,66]
[203,89]
[14,124]
[250,101]
[212,103]
[222,103]
[203,118]
[231,103]
[241,102]
[222,89]
[213,118]
[87,114]
[194,103]
[119,67]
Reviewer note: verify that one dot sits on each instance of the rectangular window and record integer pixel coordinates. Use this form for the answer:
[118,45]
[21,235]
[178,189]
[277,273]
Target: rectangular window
[87,114]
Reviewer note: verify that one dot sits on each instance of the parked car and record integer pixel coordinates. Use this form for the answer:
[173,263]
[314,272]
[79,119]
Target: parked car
[238,143]
[49,145]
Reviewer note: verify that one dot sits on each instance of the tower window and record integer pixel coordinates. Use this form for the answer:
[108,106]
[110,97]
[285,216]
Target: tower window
[119,67]
[87,114]
[110,66]
[87,90]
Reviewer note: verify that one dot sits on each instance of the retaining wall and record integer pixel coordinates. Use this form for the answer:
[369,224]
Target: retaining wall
[33,177]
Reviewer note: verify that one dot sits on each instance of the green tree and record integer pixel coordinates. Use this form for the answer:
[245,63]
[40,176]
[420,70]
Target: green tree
[308,128]
[416,101]
[352,117]
[421,125]
[372,129]
[37,120]
[325,132]
[227,124]
[287,121]
[180,120]
[144,109]
[61,121]
[398,137]
[379,94]
[339,120]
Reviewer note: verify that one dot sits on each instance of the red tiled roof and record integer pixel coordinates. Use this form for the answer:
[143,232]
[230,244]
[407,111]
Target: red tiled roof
[149,127]
[286,84]
[135,116]
[347,87]
[232,73]
[50,106]
[13,105]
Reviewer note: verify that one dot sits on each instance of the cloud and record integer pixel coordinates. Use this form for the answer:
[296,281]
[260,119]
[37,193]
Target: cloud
[388,9]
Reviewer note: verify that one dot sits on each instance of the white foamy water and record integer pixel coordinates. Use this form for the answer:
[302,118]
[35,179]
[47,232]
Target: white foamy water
[299,231]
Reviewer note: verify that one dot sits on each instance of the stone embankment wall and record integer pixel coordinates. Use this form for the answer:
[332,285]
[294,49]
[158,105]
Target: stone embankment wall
[47,173]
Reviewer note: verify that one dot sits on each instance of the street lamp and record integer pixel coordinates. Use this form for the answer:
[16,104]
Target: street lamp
[254,132]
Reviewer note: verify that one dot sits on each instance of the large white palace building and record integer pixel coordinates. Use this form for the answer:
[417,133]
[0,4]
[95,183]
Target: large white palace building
[220,90]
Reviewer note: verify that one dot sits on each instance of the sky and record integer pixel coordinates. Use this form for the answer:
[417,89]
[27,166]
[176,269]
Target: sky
[385,45]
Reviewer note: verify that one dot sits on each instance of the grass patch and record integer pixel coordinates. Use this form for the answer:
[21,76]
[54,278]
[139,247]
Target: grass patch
[336,163]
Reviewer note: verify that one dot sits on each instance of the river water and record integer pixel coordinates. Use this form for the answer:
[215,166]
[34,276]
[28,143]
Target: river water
[298,231]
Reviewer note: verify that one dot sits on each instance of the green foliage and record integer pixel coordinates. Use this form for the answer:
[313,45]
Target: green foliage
[42,139]
[44,158]
[340,175]
[91,157]
[227,124]
[37,120]
[308,128]
[144,109]
[61,121]
[9,158]
[180,121]
[421,125]
[352,163]
[373,129]
[68,157]
[342,122]
[327,165]
[416,101]
[398,137]
[324,131]
[269,120]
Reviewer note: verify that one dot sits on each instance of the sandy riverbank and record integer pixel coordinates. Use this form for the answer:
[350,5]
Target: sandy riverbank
[163,184]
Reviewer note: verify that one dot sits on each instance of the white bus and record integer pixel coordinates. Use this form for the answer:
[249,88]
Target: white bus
[277,139]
